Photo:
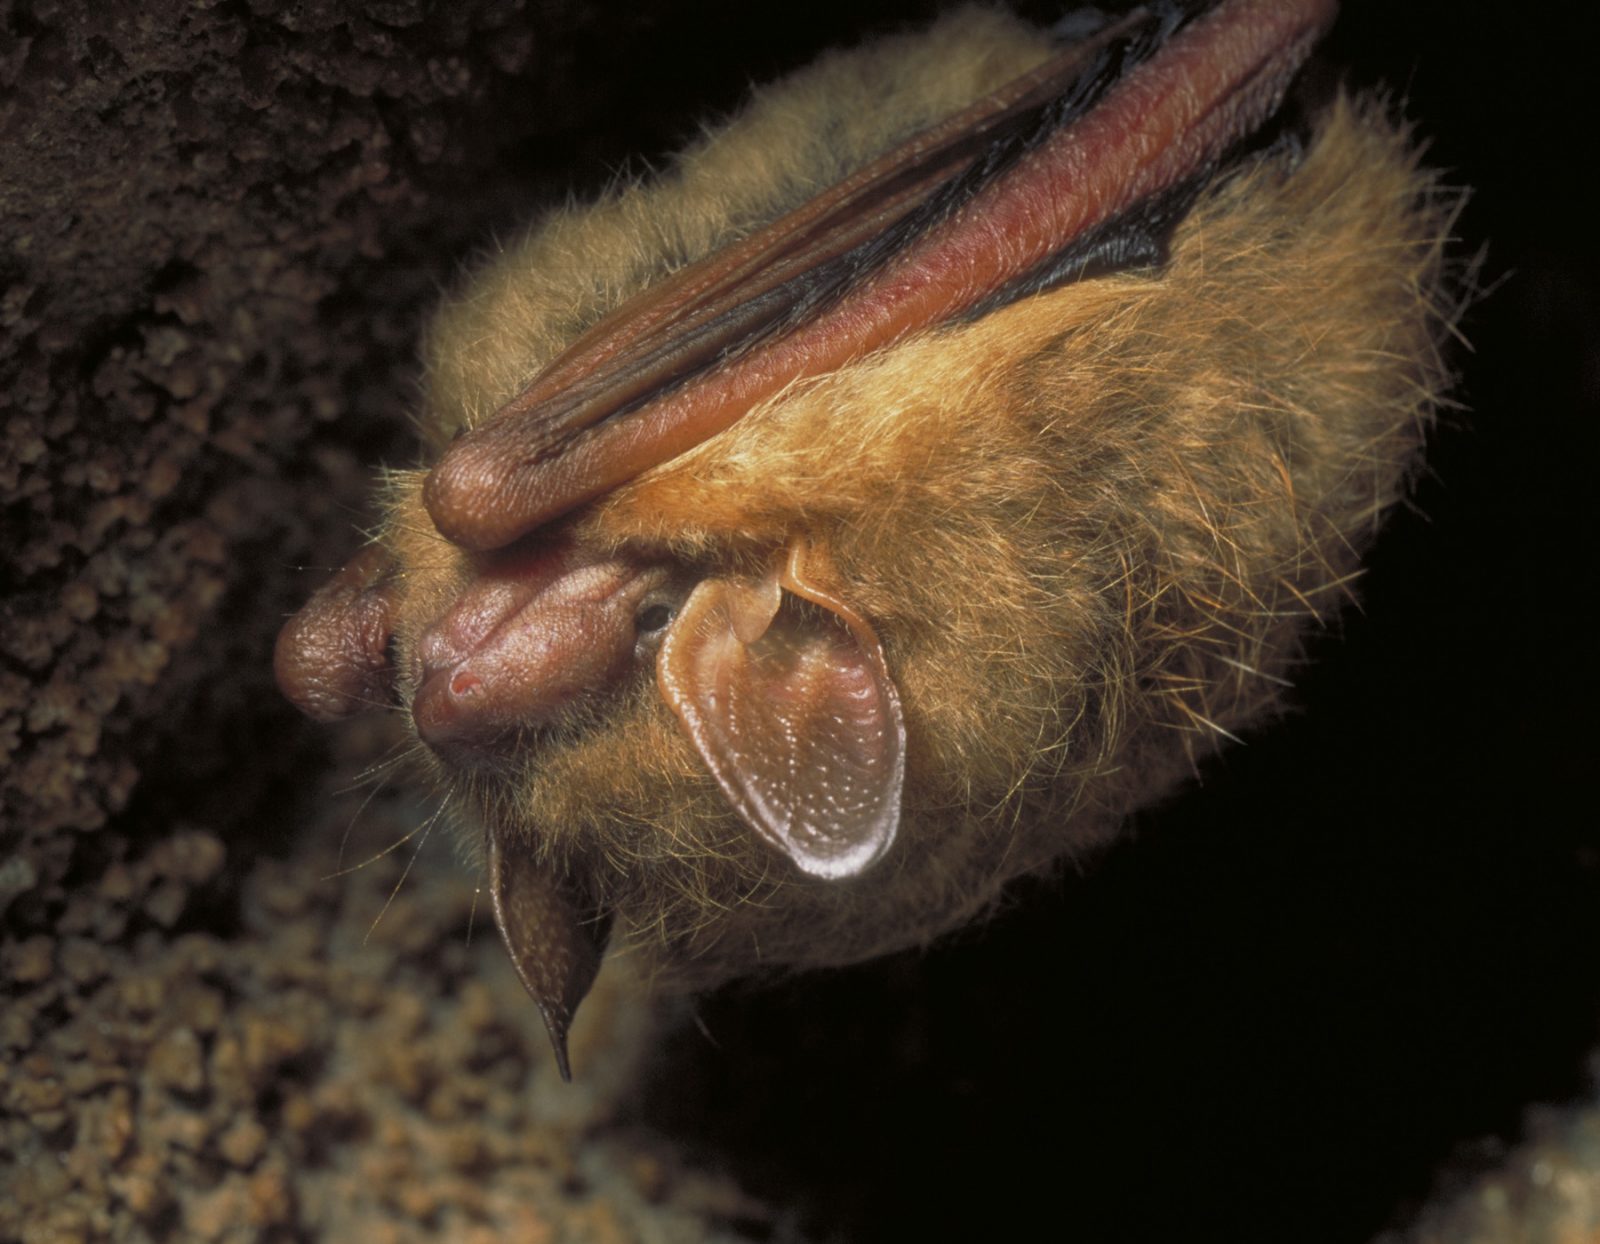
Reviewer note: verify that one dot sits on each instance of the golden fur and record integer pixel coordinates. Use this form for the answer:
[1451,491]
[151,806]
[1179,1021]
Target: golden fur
[1089,529]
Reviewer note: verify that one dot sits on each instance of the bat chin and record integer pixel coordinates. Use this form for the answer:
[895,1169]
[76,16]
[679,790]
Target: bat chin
[791,602]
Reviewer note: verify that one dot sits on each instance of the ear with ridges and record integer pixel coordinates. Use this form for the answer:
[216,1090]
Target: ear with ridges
[556,936]
[794,713]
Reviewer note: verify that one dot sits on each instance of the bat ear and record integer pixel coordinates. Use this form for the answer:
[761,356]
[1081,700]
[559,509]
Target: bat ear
[792,709]
[556,937]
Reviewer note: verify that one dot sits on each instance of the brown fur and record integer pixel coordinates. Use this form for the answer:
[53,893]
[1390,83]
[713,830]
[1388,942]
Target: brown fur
[1089,529]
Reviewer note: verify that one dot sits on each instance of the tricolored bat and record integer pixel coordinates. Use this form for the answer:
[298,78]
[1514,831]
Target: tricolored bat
[931,467]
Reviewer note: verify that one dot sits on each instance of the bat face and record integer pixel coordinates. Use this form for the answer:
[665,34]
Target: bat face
[925,473]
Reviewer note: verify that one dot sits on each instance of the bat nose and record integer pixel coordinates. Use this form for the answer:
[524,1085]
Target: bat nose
[455,714]
[522,646]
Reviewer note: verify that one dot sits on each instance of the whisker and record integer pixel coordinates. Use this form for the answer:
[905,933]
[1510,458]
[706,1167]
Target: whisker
[425,828]
[391,848]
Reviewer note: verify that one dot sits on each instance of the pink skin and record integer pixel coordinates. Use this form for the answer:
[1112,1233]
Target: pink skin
[531,635]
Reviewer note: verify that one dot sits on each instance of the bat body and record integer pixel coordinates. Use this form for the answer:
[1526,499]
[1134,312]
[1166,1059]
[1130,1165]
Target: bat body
[810,677]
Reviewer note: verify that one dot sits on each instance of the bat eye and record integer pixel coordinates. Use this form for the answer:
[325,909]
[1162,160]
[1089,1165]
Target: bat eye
[653,618]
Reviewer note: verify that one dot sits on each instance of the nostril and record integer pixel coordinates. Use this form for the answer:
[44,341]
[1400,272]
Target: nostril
[435,709]
[465,714]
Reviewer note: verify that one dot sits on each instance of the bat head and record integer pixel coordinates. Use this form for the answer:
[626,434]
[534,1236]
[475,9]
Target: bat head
[800,683]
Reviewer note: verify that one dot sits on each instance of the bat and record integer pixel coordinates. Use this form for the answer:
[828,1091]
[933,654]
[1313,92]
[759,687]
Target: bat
[931,467]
